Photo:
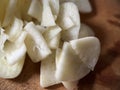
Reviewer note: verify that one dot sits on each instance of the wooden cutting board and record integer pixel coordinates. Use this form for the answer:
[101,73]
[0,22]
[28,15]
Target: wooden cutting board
[105,21]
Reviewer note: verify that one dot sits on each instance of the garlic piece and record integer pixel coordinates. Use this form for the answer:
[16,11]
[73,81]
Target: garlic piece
[37,47]
[11,71]
[69,66]
[48,67]
[47,16]
[35,9]
[69,10]
[54,4]
[88,50]
[14,29]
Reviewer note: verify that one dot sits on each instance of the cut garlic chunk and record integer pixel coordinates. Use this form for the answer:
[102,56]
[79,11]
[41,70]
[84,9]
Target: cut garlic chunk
[15,50]
[66,23]
[69,66]
[42,29]
[70,85]
[47,16]
[11,71]
[51,32]
[14,29]
[13,53]
[48,67]
[21,39]
[7,70]
[54,4]
[54,43]
[52,36]
[35,9]
[85,31]
[88,50]
[37,47]
[69,10]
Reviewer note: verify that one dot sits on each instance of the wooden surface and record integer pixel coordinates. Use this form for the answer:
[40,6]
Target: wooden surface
[105,21]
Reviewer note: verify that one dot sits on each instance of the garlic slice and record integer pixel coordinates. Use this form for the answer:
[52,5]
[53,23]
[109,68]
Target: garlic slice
[54,43]
[14,29]
[69,10]
[88,50]
[52,36]
[47,16]
[11,71]
[7,70]
[13,54]
[48,67]
[69,66]
[15,50]
[35,9]
[66,23]
[37,47]
[70,85]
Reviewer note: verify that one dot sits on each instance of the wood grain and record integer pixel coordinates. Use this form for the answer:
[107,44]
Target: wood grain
[105,21]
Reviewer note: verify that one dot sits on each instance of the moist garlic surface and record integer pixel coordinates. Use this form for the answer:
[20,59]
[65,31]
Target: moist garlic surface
[50,32]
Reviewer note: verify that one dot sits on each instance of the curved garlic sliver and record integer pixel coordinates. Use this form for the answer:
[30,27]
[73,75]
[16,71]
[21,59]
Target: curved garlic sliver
[15,50]
[52,32]
[14,29]
[11,71]
[54,4]
[88,50]
[13,53]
